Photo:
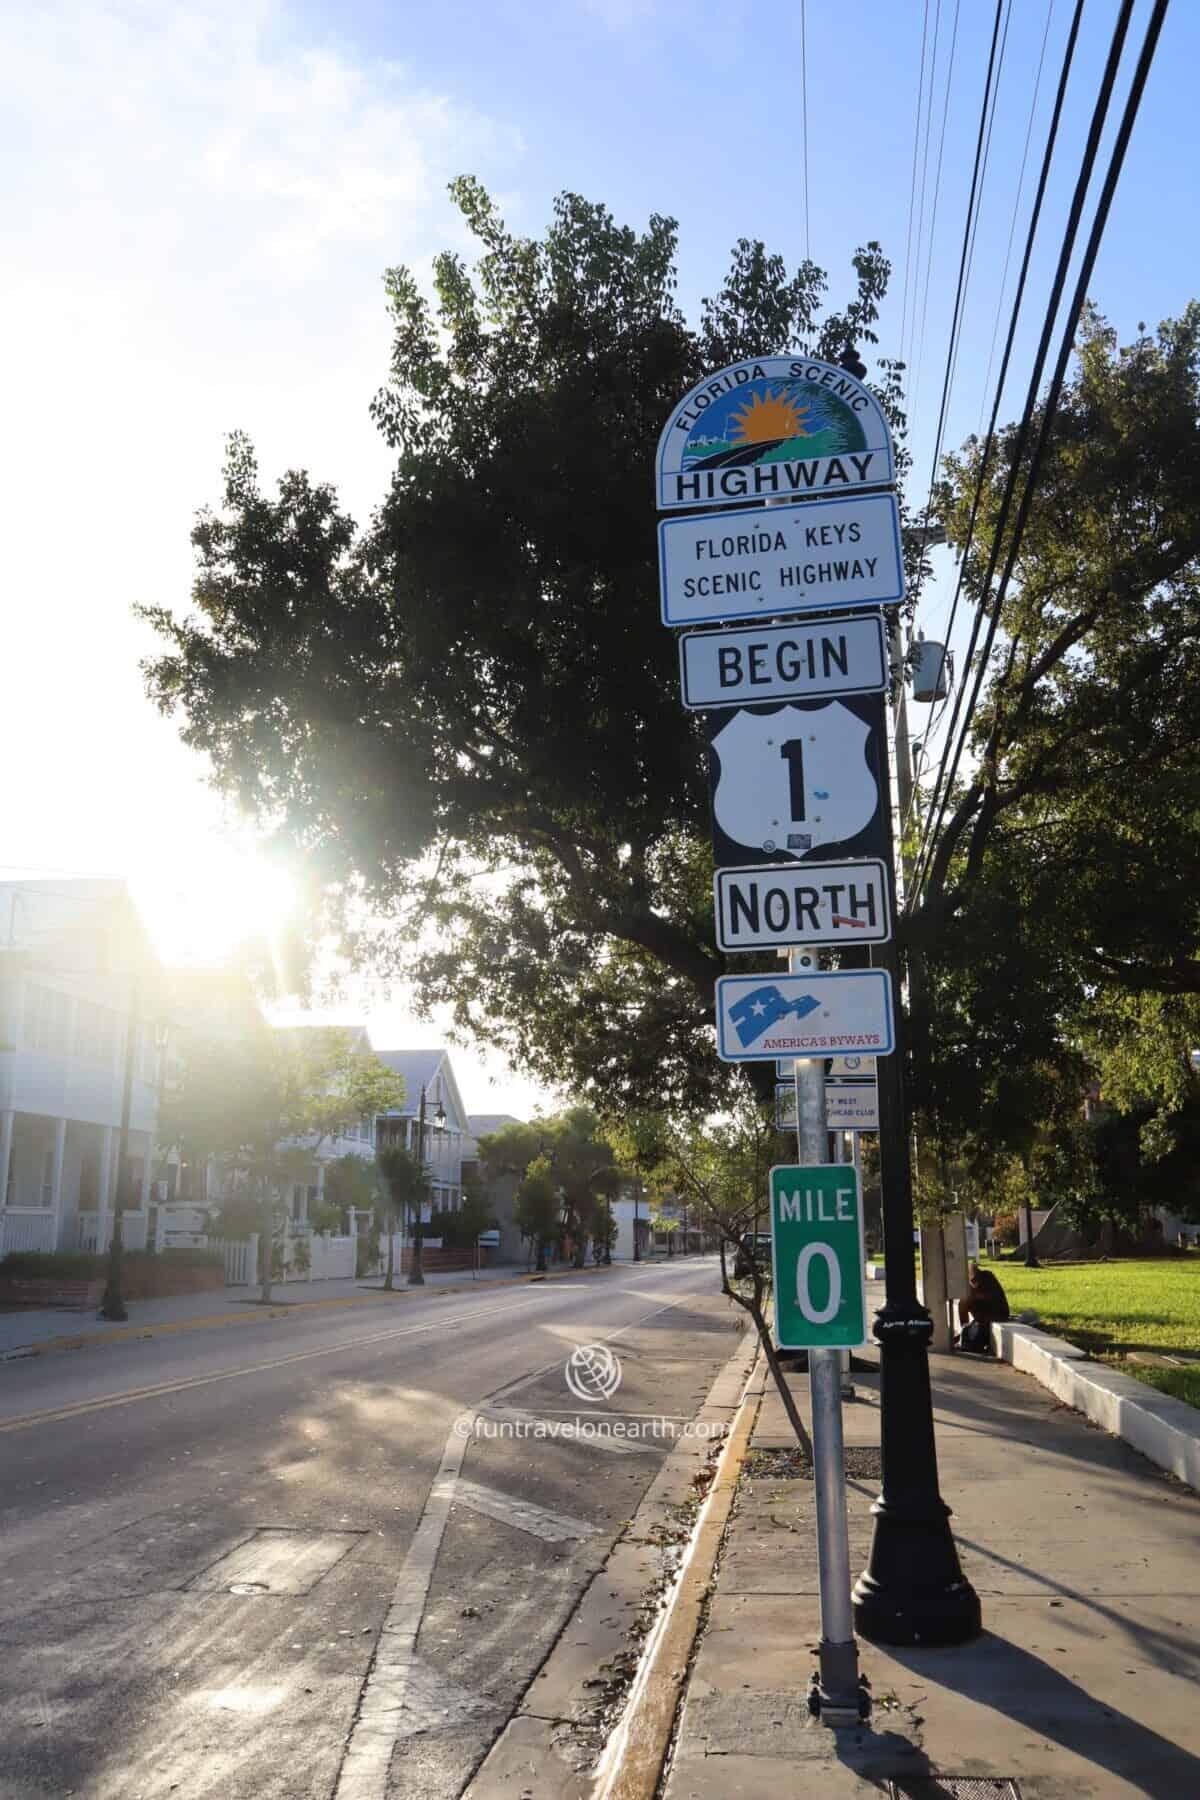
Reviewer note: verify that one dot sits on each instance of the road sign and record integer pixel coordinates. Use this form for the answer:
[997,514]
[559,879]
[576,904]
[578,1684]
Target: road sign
[851,1068]
[815,903]
[792,559]
[782,662]
[778,427]
[761,1017]
[785,1068]
[852,1108]
[817,1257]
[785,1106]
[791,782]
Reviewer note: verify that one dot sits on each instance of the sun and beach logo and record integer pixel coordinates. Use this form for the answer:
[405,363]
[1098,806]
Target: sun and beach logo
[773,422]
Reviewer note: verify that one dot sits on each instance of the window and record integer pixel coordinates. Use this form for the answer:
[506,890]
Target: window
[95,1030]
[47,1019]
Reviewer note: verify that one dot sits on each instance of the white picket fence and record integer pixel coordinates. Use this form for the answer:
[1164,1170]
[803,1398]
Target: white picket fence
[93,1231]
[241,1259]
[329,1258]
[27,1231]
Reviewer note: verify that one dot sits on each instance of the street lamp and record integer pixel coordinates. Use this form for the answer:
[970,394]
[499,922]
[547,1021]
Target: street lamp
[416,1274]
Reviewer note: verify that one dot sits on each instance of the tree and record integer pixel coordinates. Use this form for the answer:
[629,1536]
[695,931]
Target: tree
[579,1156]
[350,1182]
[467,712]
[537,1208]
[1060,922]
[409,1187]
[261,1104]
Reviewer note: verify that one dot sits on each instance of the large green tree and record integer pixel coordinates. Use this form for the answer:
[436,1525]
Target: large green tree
[467,713]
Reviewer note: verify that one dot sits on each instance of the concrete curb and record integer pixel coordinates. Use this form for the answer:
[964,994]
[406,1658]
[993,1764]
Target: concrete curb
[1164,1429]
[122,1334]
[633,1763]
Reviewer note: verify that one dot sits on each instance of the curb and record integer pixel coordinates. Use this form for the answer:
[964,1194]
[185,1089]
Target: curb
[633,1762]
[122,1334]
[1164,1429]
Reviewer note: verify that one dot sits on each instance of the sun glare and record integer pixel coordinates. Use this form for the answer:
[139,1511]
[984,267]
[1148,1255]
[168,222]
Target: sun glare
[226,895]
[766,417]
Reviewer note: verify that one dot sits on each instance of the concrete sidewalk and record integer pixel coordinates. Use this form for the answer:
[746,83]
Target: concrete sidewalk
[32,1329]
[1084,1683]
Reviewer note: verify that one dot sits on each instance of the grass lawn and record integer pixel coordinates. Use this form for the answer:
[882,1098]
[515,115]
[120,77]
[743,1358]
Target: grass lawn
[1112,1307]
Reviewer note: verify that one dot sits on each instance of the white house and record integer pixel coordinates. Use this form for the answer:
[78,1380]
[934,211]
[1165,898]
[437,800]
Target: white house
[446,1125]
[77,975]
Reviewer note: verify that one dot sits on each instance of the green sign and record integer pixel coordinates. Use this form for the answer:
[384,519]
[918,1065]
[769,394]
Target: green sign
[818,1258]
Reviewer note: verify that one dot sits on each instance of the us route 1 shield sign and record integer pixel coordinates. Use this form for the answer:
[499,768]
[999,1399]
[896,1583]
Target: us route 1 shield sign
[774,427]
[796,782]
[782,662]
[813,903]
[762,1017]
[818,1259]
[792,559]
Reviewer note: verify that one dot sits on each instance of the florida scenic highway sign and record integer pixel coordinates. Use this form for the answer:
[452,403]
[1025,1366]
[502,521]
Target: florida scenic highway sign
[816,903]
[782,662]
[791,559]
[762,1017]
[779,427]
[790,782]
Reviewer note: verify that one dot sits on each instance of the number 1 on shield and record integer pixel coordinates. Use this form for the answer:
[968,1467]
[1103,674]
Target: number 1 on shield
[793,755]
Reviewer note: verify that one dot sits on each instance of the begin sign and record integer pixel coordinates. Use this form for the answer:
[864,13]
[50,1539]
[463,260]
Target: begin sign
[818,1259]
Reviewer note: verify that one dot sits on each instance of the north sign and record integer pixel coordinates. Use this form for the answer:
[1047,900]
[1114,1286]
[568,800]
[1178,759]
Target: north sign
[778,427]
[818,1259]
[795,782]
[762,1017]
[793,559]
[812,903]
[782,662]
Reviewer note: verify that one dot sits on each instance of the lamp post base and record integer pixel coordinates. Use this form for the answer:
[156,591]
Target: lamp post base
[913,1590]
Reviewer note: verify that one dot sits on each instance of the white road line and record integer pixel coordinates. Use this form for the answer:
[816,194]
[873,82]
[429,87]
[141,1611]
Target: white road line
[389,1706]
[569,1429]
[538,1521]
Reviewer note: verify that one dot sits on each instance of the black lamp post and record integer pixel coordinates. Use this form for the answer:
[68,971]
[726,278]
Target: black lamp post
[416,1275]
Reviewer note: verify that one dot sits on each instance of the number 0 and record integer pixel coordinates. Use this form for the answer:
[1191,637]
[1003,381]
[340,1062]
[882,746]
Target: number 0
[818,1315]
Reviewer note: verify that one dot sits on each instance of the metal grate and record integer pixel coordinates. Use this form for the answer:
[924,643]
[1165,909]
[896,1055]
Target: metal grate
[953,1787]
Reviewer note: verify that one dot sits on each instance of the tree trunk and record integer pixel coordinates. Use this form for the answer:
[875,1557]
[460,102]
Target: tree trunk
[541,1256]
[266,1244]
[389,1280]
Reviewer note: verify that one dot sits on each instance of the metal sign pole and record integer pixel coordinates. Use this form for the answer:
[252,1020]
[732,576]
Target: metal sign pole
[836,1695]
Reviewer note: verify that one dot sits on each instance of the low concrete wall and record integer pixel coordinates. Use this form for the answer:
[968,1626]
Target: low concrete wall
[1163,1428]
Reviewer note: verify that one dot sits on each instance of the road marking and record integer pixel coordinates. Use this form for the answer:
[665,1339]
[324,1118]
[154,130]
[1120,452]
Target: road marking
[389,1705]
[569,1429]
[279,1362]
[538,1521]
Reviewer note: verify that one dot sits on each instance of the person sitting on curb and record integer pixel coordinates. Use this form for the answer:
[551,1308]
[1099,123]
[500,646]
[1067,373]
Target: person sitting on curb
[984,1305]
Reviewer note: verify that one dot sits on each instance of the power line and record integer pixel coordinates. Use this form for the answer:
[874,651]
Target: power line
[937,21]
[937,189]
[1099,221]
[804,117]
[912,189]
[960,289]
[985,458]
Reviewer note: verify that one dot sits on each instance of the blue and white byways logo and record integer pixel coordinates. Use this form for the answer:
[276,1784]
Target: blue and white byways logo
[593,1372]
[756,1012]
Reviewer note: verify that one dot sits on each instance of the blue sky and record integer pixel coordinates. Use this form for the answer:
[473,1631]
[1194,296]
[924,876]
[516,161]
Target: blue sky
[202,200]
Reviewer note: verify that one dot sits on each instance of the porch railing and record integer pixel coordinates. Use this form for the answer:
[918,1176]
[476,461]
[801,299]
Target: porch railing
[27,1231]
[93,1231]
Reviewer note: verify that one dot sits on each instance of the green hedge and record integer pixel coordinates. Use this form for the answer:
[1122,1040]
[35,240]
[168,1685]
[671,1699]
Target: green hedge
[86,1265]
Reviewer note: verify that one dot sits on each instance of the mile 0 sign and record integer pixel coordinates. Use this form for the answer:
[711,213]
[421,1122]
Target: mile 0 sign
[776,428]
[818,1258]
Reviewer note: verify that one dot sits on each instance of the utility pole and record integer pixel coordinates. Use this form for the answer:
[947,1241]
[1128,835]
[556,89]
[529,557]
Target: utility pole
[837,1694]
[416,1273]
[112,1306]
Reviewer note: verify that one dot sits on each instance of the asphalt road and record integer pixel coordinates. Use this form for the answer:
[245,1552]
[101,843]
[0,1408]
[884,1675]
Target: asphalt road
[213,1545]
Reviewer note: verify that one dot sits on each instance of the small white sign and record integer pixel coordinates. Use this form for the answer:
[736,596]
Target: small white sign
[851,1068]
[782,662]
[785,1106]
[789,559]
[761,1017]
[808,903]
[852,1108]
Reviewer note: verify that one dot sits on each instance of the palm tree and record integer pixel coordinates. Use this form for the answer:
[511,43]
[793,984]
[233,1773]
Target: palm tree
[408,1187]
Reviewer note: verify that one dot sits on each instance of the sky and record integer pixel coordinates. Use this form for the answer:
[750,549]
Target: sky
[200,202]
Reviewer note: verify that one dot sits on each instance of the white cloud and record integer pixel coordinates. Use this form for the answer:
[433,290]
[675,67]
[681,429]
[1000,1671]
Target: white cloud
[200,204]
